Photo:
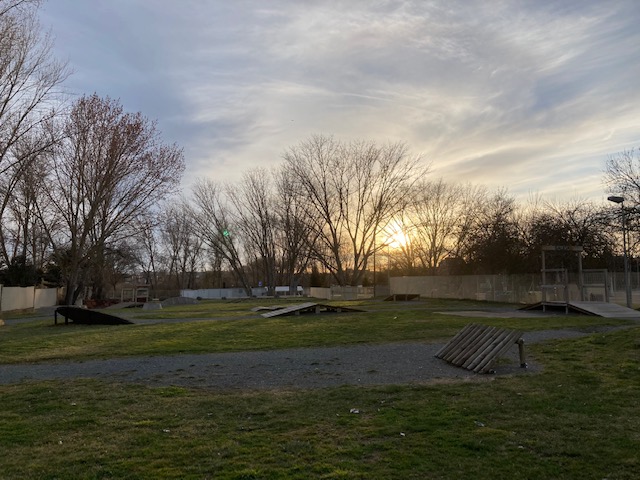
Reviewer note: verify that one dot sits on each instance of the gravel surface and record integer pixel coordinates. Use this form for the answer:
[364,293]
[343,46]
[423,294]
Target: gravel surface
[305,368]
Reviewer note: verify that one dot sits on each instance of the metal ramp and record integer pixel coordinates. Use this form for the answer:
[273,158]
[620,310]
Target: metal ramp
[309,307]
[598,309]
[477,347]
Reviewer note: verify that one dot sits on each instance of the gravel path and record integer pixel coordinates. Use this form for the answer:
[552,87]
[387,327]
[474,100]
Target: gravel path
[402,363]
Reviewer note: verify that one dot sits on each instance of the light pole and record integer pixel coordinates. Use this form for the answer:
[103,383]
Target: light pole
[374,266]
[627,283]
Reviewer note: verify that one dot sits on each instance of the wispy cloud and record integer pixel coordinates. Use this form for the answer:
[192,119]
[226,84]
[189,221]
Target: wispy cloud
[523,94]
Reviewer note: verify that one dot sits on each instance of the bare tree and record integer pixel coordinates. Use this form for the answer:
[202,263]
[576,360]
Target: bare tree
[352,191]
[257,226]
[23,234]
[400,243]
[29,87]
[216,225]
[295,238]
[183,248]
[6,6]
[622,176]
[494,244]
[440,217]
[110,170]
[148,253]
[252,201]
[119,266]
[436,215]
[29,79]
[575,222]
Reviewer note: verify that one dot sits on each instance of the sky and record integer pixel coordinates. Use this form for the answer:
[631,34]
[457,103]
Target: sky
[530,95]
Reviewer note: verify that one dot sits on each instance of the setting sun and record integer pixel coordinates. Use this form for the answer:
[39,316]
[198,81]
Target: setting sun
[396,237]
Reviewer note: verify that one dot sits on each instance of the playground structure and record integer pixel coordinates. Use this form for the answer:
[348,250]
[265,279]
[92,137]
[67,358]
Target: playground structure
[550,291]
[578,297]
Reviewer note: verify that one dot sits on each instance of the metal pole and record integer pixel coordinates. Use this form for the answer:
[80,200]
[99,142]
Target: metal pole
[543,287]
[389,267]
[580,277]
[627,277]
[374,268]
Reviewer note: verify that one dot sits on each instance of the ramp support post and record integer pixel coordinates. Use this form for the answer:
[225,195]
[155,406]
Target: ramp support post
[523,359]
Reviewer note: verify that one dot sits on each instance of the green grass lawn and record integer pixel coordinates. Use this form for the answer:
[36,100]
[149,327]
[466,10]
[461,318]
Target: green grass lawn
[577,419]
[232,326]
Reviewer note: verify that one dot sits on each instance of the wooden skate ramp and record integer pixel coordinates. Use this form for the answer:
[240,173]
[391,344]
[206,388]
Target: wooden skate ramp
[477,347]
[85,316]
[401,297]
[604,309]
[309,307]
[598,309]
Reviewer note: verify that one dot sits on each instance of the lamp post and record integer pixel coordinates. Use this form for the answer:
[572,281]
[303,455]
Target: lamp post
[374,266]
[627,283]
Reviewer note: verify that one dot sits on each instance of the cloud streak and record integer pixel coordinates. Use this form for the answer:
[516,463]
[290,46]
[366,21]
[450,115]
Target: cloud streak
[522,94]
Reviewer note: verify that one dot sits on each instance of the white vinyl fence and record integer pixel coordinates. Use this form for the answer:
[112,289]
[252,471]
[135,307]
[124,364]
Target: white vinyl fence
[25,298]
[222,293]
